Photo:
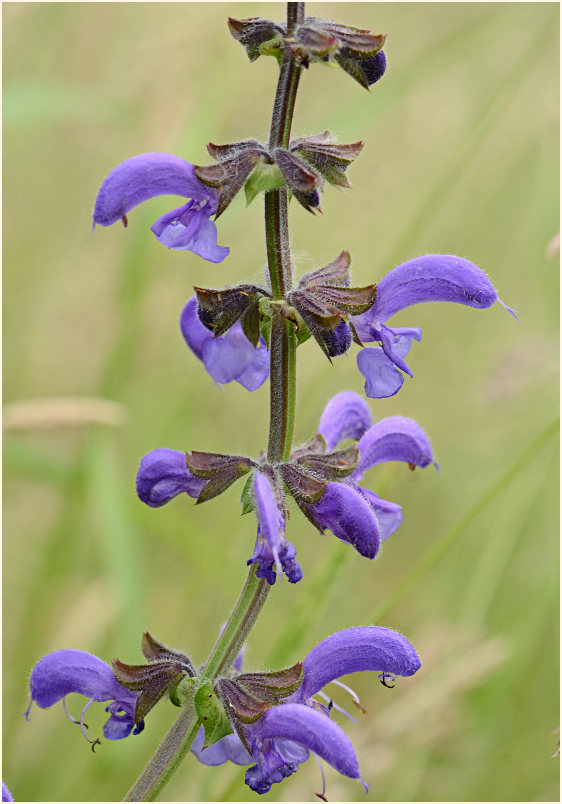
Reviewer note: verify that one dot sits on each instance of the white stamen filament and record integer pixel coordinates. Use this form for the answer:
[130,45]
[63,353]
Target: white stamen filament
[67,713]
[339,708]
[321,795]
[82,727]
[353,694]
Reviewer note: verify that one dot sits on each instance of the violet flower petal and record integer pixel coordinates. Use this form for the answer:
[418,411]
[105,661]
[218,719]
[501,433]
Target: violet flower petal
[346,415]
[64,671]
[311,729]
[271,520]
[257,368]
[393,439]
[189,228]
[162,475]
[119,724]
[378,364]
[434,277]
[382,379]
[272,549]
[349,516]
[368,647]
[6,795]
[227,749]
[389,514]
[291,751]
[229,357]
[194,333]
[145,176]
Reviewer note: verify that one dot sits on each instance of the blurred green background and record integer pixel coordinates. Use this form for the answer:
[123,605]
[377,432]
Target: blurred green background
[461,156]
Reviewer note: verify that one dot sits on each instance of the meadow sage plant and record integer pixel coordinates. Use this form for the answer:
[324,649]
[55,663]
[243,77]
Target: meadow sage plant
[272,721]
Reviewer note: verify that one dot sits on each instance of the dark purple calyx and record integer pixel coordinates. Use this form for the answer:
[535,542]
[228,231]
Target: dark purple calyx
[326,156]
[219,471]
[166,668]
[254,32]
[235,163]
[353,49]
[356,50]
[248,696]
[302,179]
[333,466]
[324,300]
[218,310]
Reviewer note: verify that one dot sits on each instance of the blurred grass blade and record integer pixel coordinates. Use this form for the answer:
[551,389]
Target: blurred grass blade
[449,540]
[109,498]
[51,102]
[512,519]
[315,597]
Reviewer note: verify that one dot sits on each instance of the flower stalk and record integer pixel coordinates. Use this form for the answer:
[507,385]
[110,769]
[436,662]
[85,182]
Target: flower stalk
[182,734]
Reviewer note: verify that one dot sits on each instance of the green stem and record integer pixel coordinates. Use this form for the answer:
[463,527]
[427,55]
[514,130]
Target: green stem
[180,738]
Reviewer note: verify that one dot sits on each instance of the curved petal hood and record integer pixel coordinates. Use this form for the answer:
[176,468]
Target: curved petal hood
[344,510]
[142,177]
[354,650]
[313,730]
[346,415]
[65,671]
[434,277]
[162,475]
[393,439]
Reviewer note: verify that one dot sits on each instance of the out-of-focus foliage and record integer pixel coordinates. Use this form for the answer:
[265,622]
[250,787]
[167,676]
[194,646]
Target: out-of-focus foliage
[461,156]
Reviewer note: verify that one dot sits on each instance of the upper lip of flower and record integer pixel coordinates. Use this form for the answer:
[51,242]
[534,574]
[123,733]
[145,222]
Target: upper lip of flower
[64,671]
[351,512]
[152,174]
[431,278]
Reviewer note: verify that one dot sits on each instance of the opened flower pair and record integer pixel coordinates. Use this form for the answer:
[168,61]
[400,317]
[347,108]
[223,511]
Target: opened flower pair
[431,278]
[323,480]
[276,718]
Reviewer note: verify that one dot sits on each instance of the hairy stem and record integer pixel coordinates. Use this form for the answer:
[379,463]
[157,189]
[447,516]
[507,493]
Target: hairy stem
[180,738]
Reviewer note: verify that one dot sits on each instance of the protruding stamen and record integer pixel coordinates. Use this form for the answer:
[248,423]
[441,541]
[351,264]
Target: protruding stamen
[125,221]
[321,795]
[333,705]
[353,694]
[383,679]
[83,726]
[69,716]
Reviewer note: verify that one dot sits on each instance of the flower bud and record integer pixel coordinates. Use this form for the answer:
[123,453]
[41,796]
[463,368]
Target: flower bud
[162,475]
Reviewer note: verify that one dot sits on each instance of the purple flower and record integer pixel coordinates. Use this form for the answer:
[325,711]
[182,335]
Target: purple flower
[272,551]
[228,357]
[281,739]
[354,514]
[66,671]
[435,277]
[6,795]
[148,175]
[162,475]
